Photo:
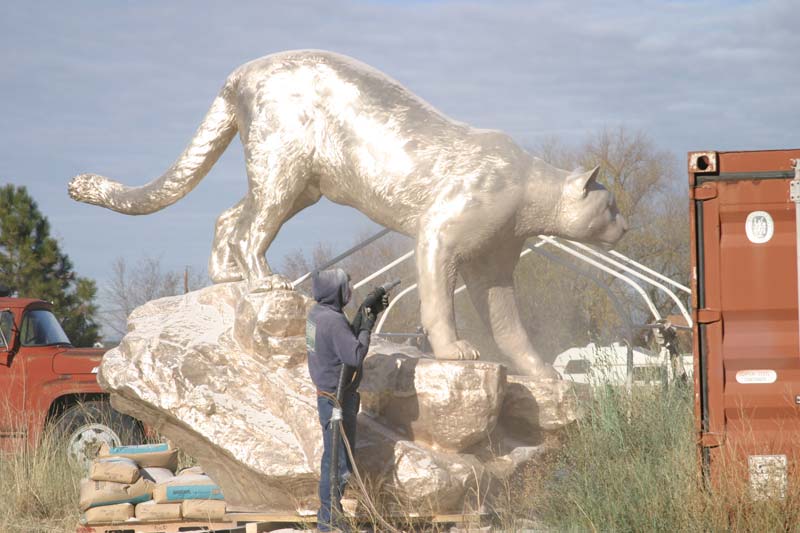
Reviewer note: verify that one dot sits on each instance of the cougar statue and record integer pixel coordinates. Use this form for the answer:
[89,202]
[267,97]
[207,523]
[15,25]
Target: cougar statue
[315,123]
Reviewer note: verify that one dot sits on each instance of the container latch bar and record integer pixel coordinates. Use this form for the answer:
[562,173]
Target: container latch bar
[711,440]
[707,191]
[708,316]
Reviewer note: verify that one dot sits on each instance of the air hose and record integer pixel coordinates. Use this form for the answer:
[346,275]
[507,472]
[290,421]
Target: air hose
[338,431]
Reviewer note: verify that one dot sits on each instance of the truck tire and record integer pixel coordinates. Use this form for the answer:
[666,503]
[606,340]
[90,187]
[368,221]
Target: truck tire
[84,427]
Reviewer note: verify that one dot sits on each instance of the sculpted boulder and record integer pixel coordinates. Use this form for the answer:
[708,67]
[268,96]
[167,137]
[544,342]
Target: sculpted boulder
[272,324]
[450,405]
[532,405]
[222,373]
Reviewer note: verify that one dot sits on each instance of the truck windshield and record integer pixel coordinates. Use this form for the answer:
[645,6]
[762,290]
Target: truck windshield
[40,328]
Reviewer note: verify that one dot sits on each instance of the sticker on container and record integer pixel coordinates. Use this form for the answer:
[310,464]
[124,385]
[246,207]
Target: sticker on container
[759,227]
[748,377]
[768,476]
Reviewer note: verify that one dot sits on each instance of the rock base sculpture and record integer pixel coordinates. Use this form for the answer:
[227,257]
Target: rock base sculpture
[222,373]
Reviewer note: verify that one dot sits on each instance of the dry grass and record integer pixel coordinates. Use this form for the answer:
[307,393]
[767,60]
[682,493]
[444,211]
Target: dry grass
[38,488]
[631,465]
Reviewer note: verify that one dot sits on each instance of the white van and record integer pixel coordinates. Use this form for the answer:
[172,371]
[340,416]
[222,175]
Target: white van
[597,365]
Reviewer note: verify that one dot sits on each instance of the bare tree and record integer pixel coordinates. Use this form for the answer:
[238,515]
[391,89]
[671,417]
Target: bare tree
[297,263]
[146,280]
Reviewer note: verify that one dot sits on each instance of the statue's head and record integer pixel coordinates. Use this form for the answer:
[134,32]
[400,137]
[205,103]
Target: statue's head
[588,212]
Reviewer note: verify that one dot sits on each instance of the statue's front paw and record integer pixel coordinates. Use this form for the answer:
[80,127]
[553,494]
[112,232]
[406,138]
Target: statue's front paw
[459,350]
[275,282]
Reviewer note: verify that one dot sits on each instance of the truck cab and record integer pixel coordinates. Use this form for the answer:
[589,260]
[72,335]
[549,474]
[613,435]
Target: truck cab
[48,385]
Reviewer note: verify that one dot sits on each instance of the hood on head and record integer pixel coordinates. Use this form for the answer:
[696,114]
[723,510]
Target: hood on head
[331,287]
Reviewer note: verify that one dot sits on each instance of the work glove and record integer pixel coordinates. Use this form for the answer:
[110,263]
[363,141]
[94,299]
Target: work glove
[377,301]
[382,304]
[367,319]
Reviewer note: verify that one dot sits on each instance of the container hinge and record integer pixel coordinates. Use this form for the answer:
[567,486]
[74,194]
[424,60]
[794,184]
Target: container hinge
[706,191]
[708,316]
[794,185]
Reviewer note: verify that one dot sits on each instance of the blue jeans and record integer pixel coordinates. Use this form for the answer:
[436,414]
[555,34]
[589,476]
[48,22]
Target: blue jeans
[350,405]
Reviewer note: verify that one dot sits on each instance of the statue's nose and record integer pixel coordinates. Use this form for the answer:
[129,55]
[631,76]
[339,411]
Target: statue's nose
[623,223]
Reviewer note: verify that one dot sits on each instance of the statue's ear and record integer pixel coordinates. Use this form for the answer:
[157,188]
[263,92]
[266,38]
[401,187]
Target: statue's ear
[578,183]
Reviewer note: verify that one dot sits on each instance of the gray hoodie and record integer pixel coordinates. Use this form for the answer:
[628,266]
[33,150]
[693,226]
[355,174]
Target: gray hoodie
[329,339]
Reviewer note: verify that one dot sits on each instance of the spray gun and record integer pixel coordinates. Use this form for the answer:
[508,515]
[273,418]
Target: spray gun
[371,301]
[349,377]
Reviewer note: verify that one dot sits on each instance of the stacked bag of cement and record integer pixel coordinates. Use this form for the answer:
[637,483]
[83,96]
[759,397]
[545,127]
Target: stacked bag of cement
[139,483]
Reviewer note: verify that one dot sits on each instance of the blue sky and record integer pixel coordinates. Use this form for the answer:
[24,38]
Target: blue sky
[118,88]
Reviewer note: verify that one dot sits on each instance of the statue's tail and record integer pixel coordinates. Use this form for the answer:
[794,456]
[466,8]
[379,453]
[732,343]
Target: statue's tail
[210,140]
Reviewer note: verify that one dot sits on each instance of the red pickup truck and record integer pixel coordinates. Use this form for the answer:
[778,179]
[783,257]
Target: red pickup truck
[46,383]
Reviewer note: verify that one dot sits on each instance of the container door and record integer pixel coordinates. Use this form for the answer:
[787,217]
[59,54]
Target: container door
[747,314]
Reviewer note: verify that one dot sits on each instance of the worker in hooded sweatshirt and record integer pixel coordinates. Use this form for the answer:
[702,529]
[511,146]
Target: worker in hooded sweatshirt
[331,343]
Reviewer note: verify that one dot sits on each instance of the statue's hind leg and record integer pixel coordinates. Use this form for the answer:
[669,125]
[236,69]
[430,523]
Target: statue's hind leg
[222,266]
[276,194]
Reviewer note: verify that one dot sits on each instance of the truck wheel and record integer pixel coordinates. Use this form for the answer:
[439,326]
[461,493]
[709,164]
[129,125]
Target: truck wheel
[86,426]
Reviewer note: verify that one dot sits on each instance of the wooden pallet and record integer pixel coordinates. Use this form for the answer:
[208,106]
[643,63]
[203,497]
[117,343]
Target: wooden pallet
[133,526]
[258,522]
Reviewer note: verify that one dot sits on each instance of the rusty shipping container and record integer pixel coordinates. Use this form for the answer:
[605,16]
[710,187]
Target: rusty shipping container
[745,308]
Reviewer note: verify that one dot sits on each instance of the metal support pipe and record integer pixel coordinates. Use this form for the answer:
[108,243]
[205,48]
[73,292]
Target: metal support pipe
[342,255]
[542,240]
[382,270]
[392,302]
[608,270]
[597,281]
[672,295]
[650,271]
[410,288]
